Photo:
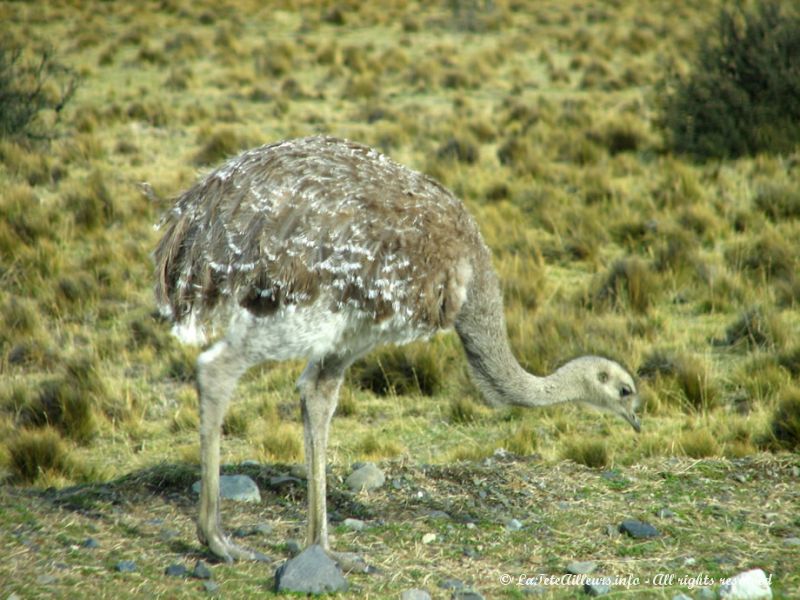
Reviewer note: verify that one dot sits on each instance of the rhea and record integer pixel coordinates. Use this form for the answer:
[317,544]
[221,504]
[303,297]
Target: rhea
[322,249]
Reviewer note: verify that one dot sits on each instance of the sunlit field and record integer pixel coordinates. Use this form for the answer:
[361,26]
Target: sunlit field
[547,119]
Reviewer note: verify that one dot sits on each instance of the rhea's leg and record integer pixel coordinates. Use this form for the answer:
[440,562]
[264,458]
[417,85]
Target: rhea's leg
[319,391]
[218,370]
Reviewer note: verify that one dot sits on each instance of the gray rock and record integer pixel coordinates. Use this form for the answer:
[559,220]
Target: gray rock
[792,541]
[201,571]
[415,594]
[90,543]
[211,587]
[597,586]
[176,570]
[283,481]
[45,579]
[293,547]
[366,478]
[125,566]
[451,584]
[249,463]
[354,524]
[467,595]
[310,572]
[299,471]
[514,525]
[638,529]
[240,488]
[581,567]
[750,585]
[665,513]
[705,593]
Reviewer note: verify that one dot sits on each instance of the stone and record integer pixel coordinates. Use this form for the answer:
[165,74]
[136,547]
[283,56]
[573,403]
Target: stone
[293,547]
[211,587]
[45,579]
[665,513]
[581,567]
[791,541]
[354,524]
[597,586]
[90,543]
[467,595]
[428,538]
[239,488]
[514,525]
[638,529]
[705,593]
[201,571]
[176,570]
[125,566]
[366,478]
[310,572]
[749,585]
[415,594]
[283,481]
[451,584]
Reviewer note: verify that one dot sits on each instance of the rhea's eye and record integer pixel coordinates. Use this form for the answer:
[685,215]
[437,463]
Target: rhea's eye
[625,391]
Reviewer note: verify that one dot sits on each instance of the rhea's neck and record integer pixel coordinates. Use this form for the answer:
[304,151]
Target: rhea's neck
[495,371]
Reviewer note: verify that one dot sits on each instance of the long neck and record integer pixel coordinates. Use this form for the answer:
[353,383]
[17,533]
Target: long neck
[481,325]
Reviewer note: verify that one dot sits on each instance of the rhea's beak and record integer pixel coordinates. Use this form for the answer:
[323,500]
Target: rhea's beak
[631,418]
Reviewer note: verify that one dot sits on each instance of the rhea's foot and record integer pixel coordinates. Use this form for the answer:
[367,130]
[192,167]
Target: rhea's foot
[224,549]
[350,562]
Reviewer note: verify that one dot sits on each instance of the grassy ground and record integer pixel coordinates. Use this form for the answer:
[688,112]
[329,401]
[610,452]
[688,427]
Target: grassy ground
[543,117]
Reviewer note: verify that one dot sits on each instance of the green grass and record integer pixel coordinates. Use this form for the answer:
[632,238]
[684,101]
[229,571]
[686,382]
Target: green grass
[543,117]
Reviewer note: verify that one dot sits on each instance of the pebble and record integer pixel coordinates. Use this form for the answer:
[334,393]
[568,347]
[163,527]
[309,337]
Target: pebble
[749,585]
[45,579]
[792,541]
[451,584]
[514,525]
[310,572]
[638,529]
[201,571]
[125,566]
[415,594]
[239,488]
[283,480]
[596,586]
[354,524]
[176,570]
[581,567]
[366,478]
[665,513]
[428,538]
[293,547]
[90,543]
[705,593]
[211,587]
[467,595]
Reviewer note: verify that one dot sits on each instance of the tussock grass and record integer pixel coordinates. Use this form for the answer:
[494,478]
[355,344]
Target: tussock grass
[629,284]
[376,446]
[682,380]
[785,423]
[756,328]
[592,452]
[416,369]
[220,144]
[282,443]
[698,443]
[38,452]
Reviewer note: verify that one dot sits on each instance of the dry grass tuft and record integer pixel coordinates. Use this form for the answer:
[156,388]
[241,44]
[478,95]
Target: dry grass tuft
[416,369]
[756,328]
[283,443]
[628,284]
[220,144]
[685,381]
[33,453]
[591,451]
[785,424]
[699,443]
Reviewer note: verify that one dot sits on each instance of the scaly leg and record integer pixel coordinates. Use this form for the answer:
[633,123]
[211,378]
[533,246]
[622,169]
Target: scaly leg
[218,370]
[319,391]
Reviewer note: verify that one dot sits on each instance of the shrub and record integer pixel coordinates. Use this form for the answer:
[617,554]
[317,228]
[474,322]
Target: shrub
[743,95]
[28,80]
